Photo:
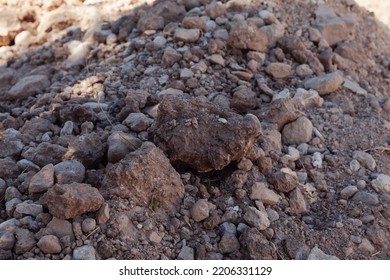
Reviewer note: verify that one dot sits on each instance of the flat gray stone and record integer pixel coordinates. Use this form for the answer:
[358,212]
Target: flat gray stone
[325,84]
[27,86]
[85,252]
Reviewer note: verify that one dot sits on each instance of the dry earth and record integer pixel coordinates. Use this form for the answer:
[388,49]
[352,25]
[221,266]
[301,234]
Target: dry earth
[194,129]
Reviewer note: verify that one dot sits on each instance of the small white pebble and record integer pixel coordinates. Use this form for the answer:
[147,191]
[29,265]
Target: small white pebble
[316,160]
[222,120]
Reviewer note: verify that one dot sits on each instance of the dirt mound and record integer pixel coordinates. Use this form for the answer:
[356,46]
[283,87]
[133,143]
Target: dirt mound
[194,130]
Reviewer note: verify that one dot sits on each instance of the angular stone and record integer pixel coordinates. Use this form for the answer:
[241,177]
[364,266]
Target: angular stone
[45,153]
[227,227]
[187,35]
[27,207]
[377,235]
[186,253]
[150,22]
[7,240]
[381,184]
[279,112]
[66,201]
[10,206]
[200,210]
[248,37]
[9,225]
[193,22]
[170,57]
[365,159]
[366,247]
[228,244]
[297,132]
[325,84]
[354,87]
[186,73]
[88,149]
[85,252]
[217,59]
[11,193]
[103,214]
[284,180]
[256,218]
[308,98]
[334,29]
[318,254]
[303,70]
[298,203]
[261,192]
[255,246]
[215,9]
[69,171]
[160,15]
[278,70]
[8,168]
[43,180]
[25,241]
[206,141]
[34,128]
[76,113]
[27,87]
[49,244]
[120,144]
[273,32]
[61,228]
[138,122]
[145,176]
[366,198]
[10,148]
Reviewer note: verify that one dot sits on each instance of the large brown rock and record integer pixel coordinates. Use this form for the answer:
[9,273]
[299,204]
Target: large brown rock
[198,134]
[66,201]
[145,176]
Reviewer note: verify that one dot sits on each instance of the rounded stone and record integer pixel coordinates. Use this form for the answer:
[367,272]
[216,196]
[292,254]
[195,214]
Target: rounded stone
[298,131]
[49,244]
[88,225]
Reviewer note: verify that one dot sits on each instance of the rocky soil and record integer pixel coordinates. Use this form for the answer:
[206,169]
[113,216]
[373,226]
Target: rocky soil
[194,129]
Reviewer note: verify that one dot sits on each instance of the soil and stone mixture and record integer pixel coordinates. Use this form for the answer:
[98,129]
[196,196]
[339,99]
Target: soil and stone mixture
[194,129]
